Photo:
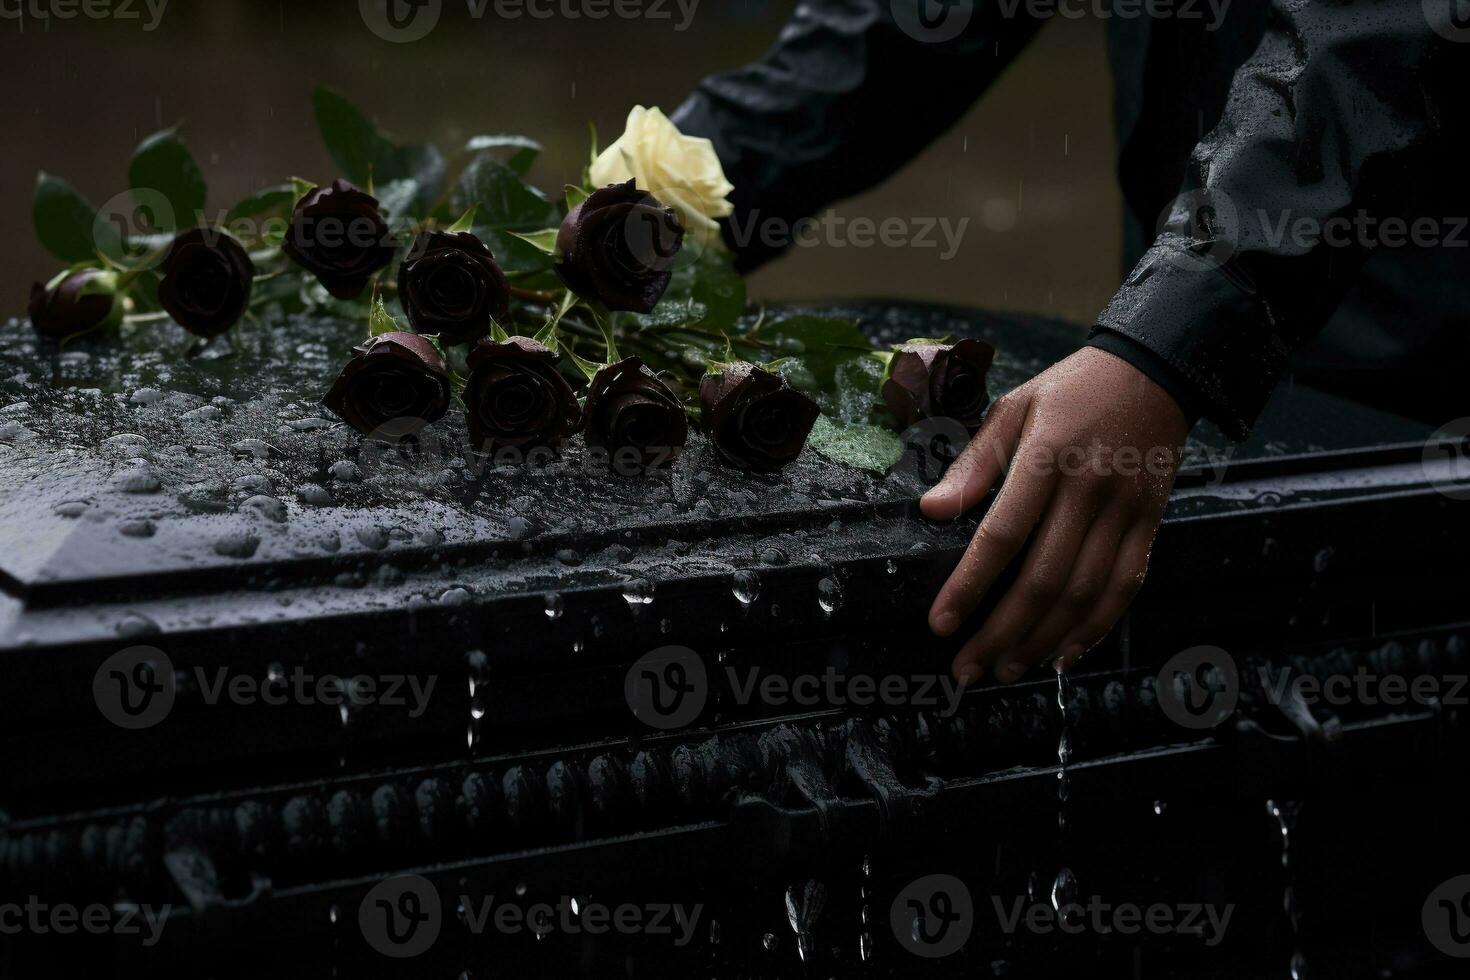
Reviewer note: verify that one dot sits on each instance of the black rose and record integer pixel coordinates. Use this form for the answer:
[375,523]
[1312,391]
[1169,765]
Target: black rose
[207,277]
[756,420]
[450,285]
[618,247]
[929,380]
[75,302]
[338,234]
[634,417]
[516,398]
[392,376]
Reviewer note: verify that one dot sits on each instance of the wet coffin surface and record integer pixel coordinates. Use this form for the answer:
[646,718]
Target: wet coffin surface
[211,508]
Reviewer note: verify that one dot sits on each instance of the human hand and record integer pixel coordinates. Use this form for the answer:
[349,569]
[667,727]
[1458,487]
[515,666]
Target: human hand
[1088,449]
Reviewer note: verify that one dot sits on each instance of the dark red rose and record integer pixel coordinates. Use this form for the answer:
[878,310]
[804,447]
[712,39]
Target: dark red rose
[75,302]
[391,376]
[450,285]
[207,277]
[618,247]
[516,398]
[338,234]
[756,420]
[928,381]
[634,417]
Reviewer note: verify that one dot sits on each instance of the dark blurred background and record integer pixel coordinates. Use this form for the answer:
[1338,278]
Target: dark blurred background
[1031,166]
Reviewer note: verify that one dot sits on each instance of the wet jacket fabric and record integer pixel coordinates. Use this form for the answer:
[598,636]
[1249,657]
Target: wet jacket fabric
[1278,164]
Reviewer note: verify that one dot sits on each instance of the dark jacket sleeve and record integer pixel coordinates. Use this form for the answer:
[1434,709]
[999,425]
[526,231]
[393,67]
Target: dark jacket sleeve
[852,90]
[1333,125]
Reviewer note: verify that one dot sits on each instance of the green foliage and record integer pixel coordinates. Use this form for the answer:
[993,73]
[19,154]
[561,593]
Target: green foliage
[707,293]
[365,155]
[526,149]
[822,344]
[64,219]
[380,321]
[867,447]
[277,200]
[506,205]
[161,164]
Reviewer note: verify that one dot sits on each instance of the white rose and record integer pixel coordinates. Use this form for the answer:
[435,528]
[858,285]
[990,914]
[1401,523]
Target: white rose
[683,172]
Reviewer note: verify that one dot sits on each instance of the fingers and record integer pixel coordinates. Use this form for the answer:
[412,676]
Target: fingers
[1039,587]
[970,477]
[1084,591]
[1009,522]
[1123,585]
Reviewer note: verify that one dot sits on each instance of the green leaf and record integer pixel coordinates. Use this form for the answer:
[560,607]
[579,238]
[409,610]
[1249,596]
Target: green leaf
[822,343]
[706,293]
[867,447]
[588,368]
[576,195]
[396,198]
[64,220]
[466,221]
[362,153]
[546,336]
[604,318]
[719,288]
[163,165]
[356,146]
[527,149]
[497,332]
[507,205]
[380,321]
[278,199]
[545,241]
[506,201]
[301,188]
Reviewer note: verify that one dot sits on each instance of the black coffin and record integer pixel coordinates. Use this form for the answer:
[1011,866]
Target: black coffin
[206,519]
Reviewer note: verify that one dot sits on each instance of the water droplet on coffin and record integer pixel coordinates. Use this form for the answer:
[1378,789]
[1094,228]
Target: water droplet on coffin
[638,592]
[829,595]
[747,587]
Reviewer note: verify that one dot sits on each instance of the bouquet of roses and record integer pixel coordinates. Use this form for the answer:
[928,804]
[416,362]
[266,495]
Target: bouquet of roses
[612,312]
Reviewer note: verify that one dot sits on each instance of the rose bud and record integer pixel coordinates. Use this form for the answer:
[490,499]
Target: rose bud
[634,417]
[207,277]
[755,418]
[929,380]
[618,247]
[75,302]
[450,285]
[516,398]
[391,376]
[338,234]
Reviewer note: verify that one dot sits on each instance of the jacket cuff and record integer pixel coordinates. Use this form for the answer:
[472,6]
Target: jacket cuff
[1204,320]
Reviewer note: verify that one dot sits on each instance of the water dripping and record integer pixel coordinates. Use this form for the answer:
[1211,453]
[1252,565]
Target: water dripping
[1286,814]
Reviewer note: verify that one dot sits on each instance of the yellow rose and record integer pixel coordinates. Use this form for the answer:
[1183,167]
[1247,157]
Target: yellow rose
[683,172]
